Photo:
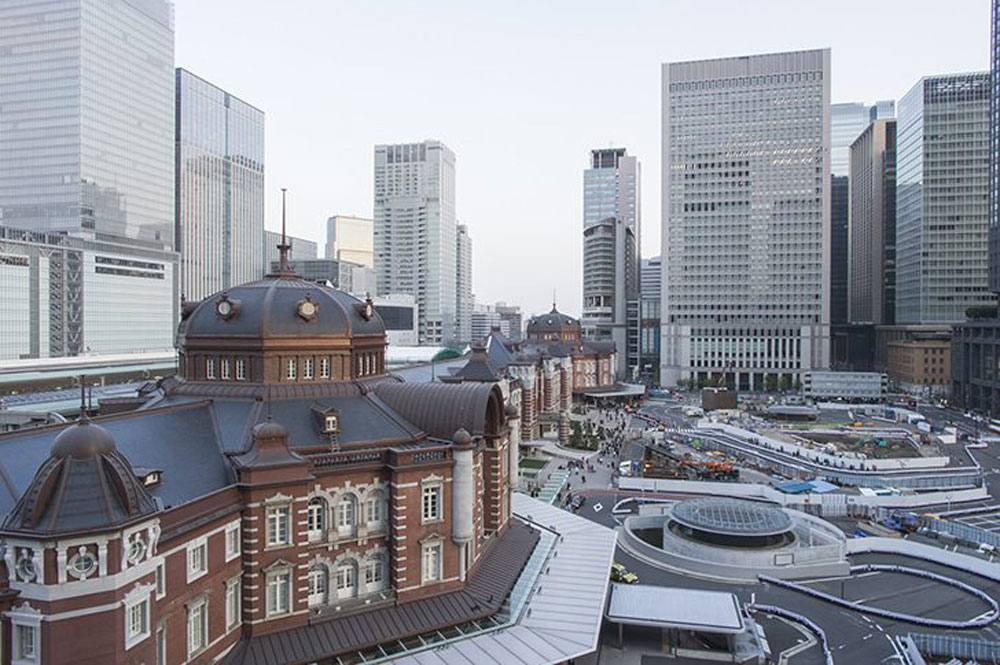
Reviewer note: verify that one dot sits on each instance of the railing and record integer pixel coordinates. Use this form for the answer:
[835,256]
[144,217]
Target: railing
[955,646]
[343,459]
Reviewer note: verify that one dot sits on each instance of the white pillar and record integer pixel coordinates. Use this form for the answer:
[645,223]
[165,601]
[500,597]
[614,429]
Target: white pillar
[463,495]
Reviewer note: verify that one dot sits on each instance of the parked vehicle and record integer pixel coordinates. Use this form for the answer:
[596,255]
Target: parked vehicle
[620,574]
[577,502]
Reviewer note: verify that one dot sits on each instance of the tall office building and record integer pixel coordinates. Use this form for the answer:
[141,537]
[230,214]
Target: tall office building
[650,276]
[220,188]
[975,348]
[872,280]
[847,122]
[746,218]
[611,230]
[463,284]
[87,150]
[942,198]
[415,229]
[350,238]
[512,315]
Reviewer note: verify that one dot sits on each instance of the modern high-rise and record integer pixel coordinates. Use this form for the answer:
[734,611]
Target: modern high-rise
[350,238]
[512,315]
[650,276]
[611,231]
[847,122]
[975,347]
[87,176]
[415,229]
[746,218]
[87,118]
[463,284]
[942,198]
[220,188]
[872,279]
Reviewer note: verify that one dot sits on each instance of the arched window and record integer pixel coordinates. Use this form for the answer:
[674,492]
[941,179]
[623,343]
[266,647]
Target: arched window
[376,577]
[319,584]
[375,508]
[347,579]
[316,517]
[346,514]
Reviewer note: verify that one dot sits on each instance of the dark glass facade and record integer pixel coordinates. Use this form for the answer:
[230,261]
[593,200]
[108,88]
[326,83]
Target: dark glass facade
[838,249]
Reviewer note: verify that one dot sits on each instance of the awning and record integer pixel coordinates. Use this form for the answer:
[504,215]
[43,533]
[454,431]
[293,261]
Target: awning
[672,607]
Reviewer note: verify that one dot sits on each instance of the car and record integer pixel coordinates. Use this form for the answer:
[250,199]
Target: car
[577,502]
[621,574]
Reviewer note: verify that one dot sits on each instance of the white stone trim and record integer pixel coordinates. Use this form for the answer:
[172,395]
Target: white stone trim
[140,594]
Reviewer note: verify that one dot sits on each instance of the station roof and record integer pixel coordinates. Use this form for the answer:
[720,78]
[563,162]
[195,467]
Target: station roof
[621,390]
[672,607]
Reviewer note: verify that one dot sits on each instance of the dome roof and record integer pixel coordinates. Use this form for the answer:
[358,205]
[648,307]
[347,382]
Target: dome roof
[281,305]
[553,322]
[734,517]
[82,441]
[85,485]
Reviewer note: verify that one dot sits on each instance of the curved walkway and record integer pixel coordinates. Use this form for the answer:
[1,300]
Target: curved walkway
[976,622]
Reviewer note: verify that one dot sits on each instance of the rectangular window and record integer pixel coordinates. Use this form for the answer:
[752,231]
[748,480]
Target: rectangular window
[197,627]
[137,621]
[324,368]
[161,579]
[290,369]
[241,370]
[225,368]
[24,643]
[375,510]
[210,368]
[277,526]
[232,603]
[197,559]
[307,368]
[232,541]
[278,586]
[161,645]
[432,562]
[432,503]
[373,573]
[330,424]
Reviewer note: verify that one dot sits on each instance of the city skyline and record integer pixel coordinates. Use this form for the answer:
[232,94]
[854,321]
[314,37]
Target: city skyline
[482,117]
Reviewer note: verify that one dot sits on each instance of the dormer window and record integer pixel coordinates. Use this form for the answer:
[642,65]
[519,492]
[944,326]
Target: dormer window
[331,424]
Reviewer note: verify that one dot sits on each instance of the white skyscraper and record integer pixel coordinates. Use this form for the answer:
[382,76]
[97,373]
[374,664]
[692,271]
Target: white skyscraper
[463,285]
[746,218]
[611,226]
[415,244]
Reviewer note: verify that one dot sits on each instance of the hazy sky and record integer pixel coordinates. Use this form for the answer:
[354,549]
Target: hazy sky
[521,91]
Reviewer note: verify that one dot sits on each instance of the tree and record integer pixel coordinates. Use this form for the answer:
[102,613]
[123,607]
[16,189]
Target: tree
[783,383]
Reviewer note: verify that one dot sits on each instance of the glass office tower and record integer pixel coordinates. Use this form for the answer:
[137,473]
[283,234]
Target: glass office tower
[87,121]
[220,188]
[746,219]
[942,198]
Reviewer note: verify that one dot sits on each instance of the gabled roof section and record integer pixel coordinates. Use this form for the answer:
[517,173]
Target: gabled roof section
[499,350]
[478,368]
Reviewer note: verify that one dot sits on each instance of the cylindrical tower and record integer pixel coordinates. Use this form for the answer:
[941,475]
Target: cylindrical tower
[513,445]
[463,495]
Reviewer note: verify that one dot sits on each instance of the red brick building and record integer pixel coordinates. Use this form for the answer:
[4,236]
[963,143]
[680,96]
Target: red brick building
[282,500]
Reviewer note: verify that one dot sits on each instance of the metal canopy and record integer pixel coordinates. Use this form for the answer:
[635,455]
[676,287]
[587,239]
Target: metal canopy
[671,607]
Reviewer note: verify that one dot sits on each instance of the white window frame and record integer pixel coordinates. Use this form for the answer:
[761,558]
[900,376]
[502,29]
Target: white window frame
[375,509]
[347,579]
[307,368]
[276,581]
[291,369]
[161,579]
[331,423]
[277,539]
[324,368]
[233,541]
[427,489]
[428,576]
[241,369]
[195,545]
[225,369]
[199,609]
[316,517]
[161,644]
[347,513]
[19,655]
[136,610]
[234,603]
[210,369]
[321,597]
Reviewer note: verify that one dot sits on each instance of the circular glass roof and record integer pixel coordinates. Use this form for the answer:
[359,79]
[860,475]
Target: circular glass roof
[734,517]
